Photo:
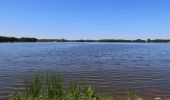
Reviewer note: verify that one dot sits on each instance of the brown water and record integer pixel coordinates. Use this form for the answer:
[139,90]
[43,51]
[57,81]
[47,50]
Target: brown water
[110,67]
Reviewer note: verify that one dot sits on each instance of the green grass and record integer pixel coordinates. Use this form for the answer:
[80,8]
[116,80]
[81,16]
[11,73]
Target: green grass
[51,88]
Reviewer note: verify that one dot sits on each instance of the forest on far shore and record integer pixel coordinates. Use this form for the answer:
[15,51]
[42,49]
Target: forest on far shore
[14,39]
[28,39]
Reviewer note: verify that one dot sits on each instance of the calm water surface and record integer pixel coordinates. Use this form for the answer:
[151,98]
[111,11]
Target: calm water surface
[110,67]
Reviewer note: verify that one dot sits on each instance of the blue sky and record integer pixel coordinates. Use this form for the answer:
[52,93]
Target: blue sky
[85,19]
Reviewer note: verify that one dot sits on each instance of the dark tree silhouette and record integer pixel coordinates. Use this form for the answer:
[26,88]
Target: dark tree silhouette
[13,39]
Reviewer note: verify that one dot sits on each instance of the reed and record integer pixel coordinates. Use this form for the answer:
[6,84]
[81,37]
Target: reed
[52,89]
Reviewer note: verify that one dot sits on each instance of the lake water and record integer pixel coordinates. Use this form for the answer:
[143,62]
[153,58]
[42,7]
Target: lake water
[110,67]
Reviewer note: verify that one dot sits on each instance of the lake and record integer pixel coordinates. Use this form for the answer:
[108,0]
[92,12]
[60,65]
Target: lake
[110,67]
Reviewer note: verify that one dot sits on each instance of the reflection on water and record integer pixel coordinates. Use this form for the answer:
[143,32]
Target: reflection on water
[111,67]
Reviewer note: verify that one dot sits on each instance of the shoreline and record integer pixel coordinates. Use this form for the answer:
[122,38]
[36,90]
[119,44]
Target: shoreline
[116,95]
[95,42]
[30,39]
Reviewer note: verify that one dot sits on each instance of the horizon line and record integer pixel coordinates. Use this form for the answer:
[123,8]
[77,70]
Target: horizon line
[85,38]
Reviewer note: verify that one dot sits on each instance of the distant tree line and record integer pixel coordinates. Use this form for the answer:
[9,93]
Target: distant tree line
[137,40]
[53,40]
[14,39]
[27,39]
[64,40]
[122,40]
[159,40]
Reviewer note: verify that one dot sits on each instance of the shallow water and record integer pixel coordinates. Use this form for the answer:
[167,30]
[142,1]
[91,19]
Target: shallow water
[110,67]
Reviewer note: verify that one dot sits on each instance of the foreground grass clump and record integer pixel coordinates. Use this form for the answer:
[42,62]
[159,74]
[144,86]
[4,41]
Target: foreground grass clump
[51,88]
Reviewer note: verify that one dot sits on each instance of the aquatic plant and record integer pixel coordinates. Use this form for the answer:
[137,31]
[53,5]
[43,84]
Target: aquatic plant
[51,88]
[130,95]
[33,86]
[54,87]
